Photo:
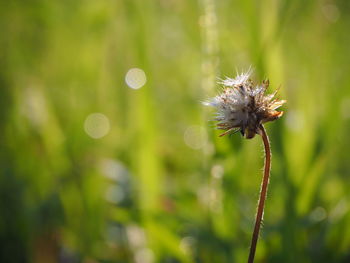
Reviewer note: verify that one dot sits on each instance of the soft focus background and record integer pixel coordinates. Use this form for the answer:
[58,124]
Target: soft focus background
[107,154]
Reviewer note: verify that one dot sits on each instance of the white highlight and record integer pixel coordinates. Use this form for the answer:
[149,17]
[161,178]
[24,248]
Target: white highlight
[240,79]
[135,78]
[97,125]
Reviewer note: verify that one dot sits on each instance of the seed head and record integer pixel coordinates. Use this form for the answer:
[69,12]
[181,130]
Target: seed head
[243,106]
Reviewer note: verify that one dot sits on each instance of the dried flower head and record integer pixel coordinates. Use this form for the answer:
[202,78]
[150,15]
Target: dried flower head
[243,106]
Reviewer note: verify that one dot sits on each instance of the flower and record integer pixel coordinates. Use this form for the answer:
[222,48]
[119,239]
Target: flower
[243,107]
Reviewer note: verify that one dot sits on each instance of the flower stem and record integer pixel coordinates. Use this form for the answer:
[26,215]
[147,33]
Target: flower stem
[263,191]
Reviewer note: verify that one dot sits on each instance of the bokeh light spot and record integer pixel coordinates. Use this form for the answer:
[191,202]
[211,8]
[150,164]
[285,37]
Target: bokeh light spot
[115,194]
[97,125]
[187,244]
[217,171]
[135,78]
[136,236]
[144,255]
[331,12]
[195,137]
[295,120]
[114,170]
[345,108]
[318,214]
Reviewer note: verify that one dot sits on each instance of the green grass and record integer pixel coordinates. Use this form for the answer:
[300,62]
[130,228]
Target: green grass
[161,186]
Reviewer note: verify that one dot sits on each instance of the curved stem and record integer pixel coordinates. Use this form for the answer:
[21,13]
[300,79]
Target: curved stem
[263,191]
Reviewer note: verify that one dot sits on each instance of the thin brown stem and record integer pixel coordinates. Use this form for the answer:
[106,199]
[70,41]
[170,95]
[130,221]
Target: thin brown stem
[263,191]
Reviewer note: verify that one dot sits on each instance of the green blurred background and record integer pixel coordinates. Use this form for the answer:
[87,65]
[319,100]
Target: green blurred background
[107,154]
